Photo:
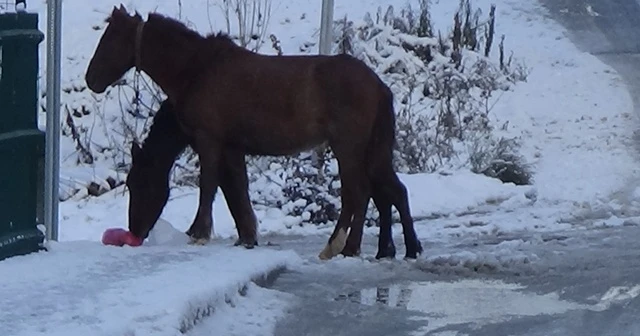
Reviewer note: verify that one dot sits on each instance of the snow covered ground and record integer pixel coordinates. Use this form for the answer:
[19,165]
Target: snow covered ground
[83,288]
[574,115]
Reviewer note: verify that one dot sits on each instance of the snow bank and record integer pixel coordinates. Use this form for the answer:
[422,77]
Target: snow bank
[254,314]
[574,114]
[83,288]
[430,196]
[434,195]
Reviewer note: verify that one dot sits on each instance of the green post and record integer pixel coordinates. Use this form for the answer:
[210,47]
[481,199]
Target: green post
[21,142]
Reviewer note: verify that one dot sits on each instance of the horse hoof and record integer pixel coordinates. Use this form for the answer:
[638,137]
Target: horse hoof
[411,256]
[326,253]
[388,253]
[199,236]
[348,252]
[335,247]
[199,241]
[246,243]
[414,252]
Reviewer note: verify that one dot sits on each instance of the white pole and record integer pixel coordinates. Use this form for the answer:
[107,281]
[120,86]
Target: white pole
[52,136]
[326,24]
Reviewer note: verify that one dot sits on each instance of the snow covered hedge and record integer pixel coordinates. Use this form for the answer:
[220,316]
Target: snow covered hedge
[444,84]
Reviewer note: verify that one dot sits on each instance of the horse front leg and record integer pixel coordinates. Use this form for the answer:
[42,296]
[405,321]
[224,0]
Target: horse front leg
[234,184]
[210,155]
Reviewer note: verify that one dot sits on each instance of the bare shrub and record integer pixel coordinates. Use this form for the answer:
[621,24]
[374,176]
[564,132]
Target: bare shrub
[246,21]
[499,158]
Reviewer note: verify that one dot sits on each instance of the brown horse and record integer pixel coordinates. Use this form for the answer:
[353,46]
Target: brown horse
[228,98]
[148,182]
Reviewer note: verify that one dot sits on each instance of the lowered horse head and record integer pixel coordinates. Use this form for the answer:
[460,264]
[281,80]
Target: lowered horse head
[116,50]
[148,192]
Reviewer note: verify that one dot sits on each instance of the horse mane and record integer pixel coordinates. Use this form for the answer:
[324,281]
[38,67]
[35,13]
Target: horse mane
[221,38]
[217,44]
[221,45]
[172,24]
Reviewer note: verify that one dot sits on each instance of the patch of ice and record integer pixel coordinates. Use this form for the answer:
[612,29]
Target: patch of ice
[480,302]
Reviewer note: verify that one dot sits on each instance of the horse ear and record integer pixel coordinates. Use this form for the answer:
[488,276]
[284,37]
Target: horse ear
[118,12]
[135,150]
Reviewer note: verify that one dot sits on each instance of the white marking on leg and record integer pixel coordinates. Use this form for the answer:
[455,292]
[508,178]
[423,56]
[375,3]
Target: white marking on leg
[326,253]
[335,247]
[338,244]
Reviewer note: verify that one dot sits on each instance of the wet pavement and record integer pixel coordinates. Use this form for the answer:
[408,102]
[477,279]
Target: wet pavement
[568,283]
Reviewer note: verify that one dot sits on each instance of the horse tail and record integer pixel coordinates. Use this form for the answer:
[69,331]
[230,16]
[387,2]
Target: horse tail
[383,136]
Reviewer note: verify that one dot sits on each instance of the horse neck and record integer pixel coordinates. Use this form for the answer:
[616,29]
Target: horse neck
[164,55]
[164,146]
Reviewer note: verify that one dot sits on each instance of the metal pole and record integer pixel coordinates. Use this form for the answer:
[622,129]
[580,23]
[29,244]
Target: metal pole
[52,136]
[326,23]
[326,39]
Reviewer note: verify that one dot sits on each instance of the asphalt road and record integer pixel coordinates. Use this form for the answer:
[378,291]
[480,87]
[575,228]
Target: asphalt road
[576,283]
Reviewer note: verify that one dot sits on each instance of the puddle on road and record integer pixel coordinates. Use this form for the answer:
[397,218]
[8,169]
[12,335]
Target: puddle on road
[477,302]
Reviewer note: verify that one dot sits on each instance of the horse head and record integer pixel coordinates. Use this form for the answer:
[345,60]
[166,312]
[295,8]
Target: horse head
[148,185]
[117,50]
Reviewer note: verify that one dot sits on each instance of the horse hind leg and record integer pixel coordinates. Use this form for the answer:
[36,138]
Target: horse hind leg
[386,247]
[397,193]
[354,196]
[361,203]
[390,191]
[338,238]
[348,194]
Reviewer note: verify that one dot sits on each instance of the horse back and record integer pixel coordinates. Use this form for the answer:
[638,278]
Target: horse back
[285,103]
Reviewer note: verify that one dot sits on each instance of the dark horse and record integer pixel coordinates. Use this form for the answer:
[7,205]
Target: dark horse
[148,178]
[230,101]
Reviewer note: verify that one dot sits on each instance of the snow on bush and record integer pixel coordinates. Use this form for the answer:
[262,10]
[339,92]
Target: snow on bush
[444,89]
[444,86]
